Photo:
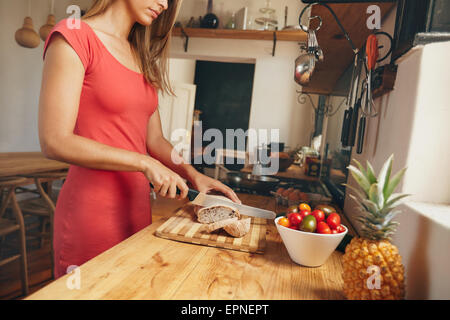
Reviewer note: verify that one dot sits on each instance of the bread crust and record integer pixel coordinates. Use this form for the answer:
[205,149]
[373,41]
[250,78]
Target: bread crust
[210,227]
[238,228]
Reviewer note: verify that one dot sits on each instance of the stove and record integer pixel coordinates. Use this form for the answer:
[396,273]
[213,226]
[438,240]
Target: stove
[304,186]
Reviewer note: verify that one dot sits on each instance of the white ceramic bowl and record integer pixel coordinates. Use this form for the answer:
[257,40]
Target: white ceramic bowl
[307,248]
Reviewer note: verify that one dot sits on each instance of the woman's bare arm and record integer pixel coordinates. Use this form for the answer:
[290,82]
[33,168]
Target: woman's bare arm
[161,149]
[62,82]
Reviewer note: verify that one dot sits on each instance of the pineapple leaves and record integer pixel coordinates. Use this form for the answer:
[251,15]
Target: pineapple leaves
[361,168]
[360,178]
[376,196]
[393,183]
[384,175]
[378,202]
[356,191]
[371,173]
[393,201]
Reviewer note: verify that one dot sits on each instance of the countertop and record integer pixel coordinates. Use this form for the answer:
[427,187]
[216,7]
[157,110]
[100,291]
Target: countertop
[147,267]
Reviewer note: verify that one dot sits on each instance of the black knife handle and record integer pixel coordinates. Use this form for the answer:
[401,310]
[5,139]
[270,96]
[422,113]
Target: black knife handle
[362,129]
[192,194]
[354,124]
[345,128]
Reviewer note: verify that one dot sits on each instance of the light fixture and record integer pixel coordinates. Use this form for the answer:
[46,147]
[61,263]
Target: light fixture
[46,28]
[26,36]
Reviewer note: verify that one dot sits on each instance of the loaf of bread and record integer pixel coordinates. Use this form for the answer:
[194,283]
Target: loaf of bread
[215,213]
[210,227]
[238,228]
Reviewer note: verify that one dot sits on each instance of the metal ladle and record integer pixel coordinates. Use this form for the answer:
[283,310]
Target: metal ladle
[306,63]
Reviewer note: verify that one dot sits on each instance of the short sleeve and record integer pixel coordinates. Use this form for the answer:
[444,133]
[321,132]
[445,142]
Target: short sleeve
[78,39]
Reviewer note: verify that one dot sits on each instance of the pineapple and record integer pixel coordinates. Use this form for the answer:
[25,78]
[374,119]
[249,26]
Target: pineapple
[372,265]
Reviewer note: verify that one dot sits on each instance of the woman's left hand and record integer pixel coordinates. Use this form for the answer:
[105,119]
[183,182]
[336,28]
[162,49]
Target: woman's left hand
[203,183]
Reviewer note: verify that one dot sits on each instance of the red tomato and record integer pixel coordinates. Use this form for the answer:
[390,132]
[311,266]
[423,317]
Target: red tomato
[333,220]
[340,228]
[334,231]
[319,215]
[323,228]
[304,213]
[284,222]
[295,219]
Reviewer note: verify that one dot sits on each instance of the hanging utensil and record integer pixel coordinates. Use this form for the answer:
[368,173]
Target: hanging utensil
[306,63]
[368,105]
[355,101]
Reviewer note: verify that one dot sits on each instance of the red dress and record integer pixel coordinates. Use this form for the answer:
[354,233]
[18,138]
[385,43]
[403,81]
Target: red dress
[97,209]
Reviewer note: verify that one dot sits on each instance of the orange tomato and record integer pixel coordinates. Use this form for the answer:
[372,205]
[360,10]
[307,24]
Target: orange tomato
[284,222]
[304,206]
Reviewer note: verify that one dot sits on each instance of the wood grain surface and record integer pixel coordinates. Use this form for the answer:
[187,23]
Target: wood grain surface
[145,266]
[184,227]
[282,35]
[17,163]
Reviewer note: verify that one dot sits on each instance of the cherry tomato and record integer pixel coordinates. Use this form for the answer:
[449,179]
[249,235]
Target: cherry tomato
[333,220]
[284,222]
[295,219]
[340,228]
[304,206]
[334,231]
[293,227]
[304,213]
[323,228]
[319,215]
[292,209]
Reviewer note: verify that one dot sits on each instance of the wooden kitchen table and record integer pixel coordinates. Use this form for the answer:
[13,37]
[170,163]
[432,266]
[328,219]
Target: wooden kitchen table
[21,163]
[147,267]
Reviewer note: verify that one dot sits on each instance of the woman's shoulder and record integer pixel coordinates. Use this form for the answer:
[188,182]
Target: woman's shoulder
[71,26]
[78,34]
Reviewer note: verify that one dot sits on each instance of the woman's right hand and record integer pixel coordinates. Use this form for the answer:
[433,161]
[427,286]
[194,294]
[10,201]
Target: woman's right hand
[165,182]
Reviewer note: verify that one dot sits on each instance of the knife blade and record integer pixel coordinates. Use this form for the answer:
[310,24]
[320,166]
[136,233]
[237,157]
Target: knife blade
[205,200]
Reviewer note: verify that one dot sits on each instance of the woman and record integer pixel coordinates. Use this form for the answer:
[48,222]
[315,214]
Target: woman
[98,112]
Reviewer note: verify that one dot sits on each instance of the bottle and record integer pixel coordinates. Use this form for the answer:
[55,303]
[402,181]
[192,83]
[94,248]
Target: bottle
[232,22]
[210,20]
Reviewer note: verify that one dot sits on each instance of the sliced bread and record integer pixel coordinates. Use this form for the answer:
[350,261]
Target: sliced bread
[215,213]
[210,227]
[238,228]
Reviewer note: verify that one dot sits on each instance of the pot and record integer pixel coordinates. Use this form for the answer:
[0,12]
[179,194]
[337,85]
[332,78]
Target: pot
[249,181]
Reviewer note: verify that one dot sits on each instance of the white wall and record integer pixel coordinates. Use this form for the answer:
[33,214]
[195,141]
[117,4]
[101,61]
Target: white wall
[21,71]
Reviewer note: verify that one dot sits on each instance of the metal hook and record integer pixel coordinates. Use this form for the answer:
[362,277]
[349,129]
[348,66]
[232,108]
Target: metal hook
[307,29]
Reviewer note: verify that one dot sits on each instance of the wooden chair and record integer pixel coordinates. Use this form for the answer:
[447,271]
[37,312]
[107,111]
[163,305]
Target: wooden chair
[43,206]
[8,226]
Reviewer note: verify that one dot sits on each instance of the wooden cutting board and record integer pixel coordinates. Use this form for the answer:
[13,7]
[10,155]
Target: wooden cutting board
[184,227]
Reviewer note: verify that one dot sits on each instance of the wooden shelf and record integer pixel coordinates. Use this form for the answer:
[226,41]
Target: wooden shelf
[281,35]
[338,54]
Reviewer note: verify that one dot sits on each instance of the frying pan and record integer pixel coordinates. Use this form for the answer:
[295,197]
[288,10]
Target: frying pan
[237,179]
[249,181]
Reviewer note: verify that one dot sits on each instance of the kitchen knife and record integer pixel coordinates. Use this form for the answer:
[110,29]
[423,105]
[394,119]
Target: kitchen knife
[205,200]
[353,126]
[346,127]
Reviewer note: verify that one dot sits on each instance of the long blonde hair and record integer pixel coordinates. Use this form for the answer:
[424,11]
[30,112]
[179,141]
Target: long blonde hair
[150,44]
